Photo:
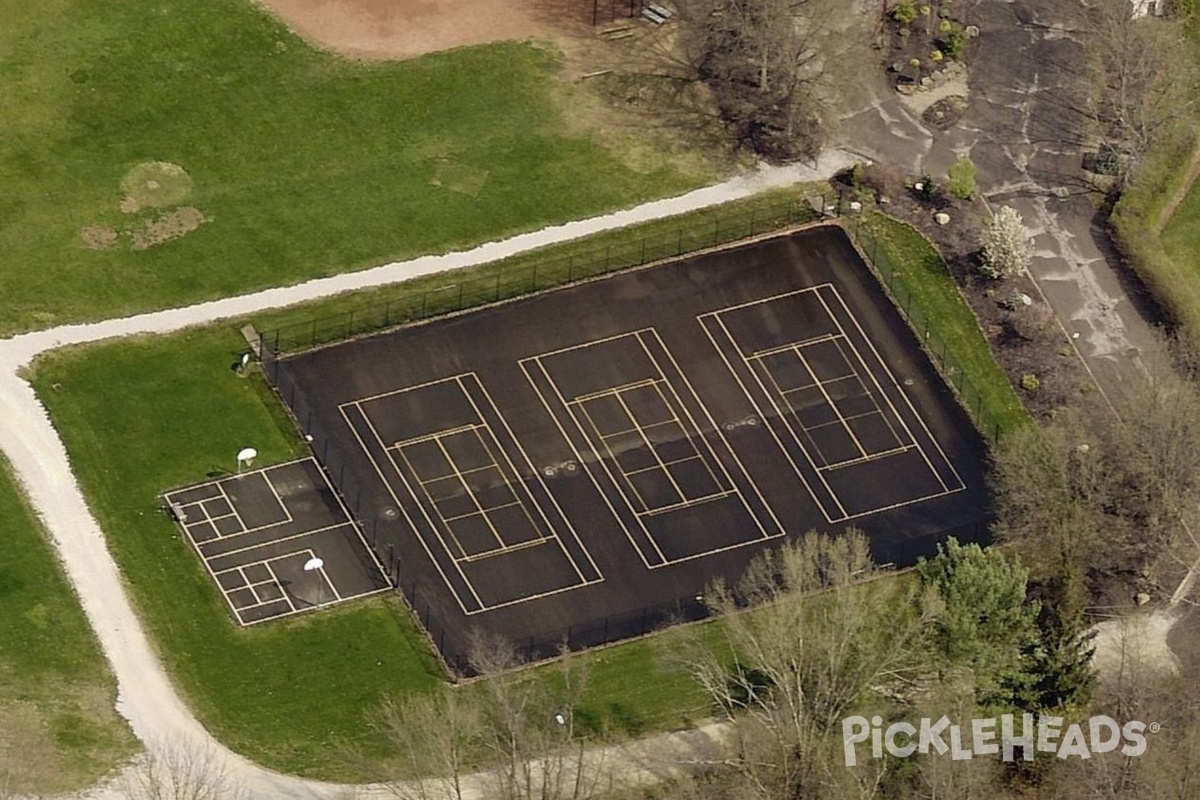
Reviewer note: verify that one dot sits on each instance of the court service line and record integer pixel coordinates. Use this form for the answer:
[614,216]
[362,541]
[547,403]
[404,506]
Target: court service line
[887,371]
[533,470]
[875,380]
[780,414]
[396,499]
[583,462]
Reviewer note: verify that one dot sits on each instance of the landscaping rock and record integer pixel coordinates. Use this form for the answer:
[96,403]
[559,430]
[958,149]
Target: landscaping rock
[941,218]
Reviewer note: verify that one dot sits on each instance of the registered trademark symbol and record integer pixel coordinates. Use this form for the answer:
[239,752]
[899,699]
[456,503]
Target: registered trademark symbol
[1155,727]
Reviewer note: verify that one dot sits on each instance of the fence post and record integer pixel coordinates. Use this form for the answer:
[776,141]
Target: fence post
[350,323]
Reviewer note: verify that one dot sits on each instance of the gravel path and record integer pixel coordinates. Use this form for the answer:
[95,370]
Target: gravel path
[146,697]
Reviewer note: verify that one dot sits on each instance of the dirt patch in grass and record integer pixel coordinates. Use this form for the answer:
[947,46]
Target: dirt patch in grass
[459,177]
[98,237]
[395,29]
[166,227]
[154,184]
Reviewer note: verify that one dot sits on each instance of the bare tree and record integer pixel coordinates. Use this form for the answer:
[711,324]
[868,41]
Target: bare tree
[529,733]
[180,769]
[1144,77]
[774,66]
[434,736]
[813,646]
[514,731]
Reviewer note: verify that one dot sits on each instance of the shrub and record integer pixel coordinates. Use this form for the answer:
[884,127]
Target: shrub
[954,42]
[961,178]
[856,175]
[945,26]
[884,180]
[905,13]
[925,187]
[1007,246]
[1030,382]
[935,56]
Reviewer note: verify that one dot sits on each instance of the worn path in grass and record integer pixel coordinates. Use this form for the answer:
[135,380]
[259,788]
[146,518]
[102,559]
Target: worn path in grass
[146,697]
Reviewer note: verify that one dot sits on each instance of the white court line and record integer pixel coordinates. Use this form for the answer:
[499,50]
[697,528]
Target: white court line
[783,348]
[584,581]
[462,551]
[287,538]
[436,435]
[781,415]
[728,447]
[579,456]
[925,456]
[421,506]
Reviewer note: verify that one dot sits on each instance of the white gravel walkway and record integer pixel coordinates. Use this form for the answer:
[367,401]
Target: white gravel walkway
[147,699]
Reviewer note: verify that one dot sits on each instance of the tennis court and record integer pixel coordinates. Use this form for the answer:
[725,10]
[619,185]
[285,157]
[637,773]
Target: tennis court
[568,462]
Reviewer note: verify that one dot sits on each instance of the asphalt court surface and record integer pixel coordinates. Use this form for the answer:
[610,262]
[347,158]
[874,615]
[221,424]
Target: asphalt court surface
[552,461]
[256,531]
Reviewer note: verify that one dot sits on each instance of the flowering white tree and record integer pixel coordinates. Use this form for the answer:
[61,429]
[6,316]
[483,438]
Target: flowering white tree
[1007,244]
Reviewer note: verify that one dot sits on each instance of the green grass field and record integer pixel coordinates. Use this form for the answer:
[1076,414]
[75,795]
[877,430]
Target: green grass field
[58,728]
[302,164]
[1181,236]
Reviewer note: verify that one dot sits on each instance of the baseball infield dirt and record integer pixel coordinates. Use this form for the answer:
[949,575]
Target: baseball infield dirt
[395,29]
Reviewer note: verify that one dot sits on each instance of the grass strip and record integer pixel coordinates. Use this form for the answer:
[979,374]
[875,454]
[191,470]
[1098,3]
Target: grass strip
[924,289]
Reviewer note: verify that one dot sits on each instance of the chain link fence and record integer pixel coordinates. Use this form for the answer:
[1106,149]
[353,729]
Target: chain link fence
[950,368]
[496,282]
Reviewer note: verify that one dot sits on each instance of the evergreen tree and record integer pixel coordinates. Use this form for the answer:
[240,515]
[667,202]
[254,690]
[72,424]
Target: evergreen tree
[985,623]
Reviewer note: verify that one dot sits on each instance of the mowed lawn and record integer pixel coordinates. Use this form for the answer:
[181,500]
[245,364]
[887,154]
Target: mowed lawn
[58,727]
[1181,236]
[301,164]
[294,695]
